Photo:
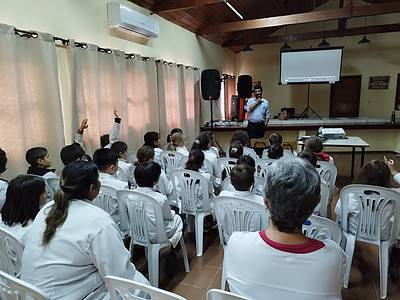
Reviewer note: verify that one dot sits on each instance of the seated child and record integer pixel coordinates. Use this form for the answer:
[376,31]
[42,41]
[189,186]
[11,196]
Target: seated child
[152,139]
[178,143]
[275,151]
[309,156]
[72,153]
[121,149]
[3,182]
[39,160]
[25,195]
[147,175]
[146,154]
[314,144]
[242,179]
[235,151]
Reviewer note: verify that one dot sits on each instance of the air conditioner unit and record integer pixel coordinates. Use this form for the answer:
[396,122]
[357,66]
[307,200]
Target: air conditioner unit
[126,19]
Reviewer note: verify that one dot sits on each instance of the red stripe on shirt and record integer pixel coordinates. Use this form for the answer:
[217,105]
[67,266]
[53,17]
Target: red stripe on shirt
[310,246]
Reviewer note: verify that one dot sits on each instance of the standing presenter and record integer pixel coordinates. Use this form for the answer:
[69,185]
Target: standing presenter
[257,114]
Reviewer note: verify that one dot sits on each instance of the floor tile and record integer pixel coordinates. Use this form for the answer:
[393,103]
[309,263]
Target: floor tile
[189,292]
[200,276]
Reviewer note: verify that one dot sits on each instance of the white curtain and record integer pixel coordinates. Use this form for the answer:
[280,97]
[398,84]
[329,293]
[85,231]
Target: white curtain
[142,104]
[179,100]
[29,99]
[98,84]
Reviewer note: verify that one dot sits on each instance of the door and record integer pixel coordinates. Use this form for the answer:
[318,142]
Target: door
[397,100]
[345,97]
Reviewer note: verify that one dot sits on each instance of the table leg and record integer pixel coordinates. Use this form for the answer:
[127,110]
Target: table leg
[362,156]
[353,153]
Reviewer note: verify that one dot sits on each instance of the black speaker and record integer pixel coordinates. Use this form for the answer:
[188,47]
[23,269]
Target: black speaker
[210,84]
[234,107]
[244,86]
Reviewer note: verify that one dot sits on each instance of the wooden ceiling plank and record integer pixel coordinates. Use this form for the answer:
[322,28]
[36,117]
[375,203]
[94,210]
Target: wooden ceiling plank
[175,5]
[317,35]
[347,11]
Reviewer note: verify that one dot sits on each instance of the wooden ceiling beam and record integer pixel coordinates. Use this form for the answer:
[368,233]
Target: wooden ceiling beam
[347,11]
[174,5]
[316,35]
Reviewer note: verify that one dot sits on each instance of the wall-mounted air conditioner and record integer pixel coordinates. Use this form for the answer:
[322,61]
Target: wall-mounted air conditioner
[126,19]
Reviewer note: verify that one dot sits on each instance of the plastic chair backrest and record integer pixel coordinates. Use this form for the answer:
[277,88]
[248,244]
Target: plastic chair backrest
[170,160]
[250,152]
[259,185]
[216,294]
[122,175]
[12,288]
[132,157]
[372,201]
[237,214]
[261,167]
[11,249]
[187,181]
[123,210]
[328,173]
[121,289]
[53,185]
[322,228]
[139,206]
[226,184]
[227,164]
[107,200]
[322,208]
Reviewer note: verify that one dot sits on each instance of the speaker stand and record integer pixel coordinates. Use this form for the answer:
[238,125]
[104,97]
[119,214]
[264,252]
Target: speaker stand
[305,113]
[211,110]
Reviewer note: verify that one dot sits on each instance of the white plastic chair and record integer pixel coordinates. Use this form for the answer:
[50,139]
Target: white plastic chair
[322,228]
[139,205]
[261,167]
[372,201]
[250,152]
[132,157]
[189,182]
[12,288]
[170,160]
[122,175]
[121,289]
[226,164]
[215,294]
[107,201]
[237,214]
[53,185]
[328,173]
[324,203]
[11,249]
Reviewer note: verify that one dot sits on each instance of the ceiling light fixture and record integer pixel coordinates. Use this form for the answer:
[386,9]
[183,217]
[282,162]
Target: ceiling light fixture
[323,43]
[247,49]
[285,46]
[233,9]
[364,40]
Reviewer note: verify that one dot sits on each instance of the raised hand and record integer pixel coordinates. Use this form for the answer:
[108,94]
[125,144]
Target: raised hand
[116,113]
[84,125]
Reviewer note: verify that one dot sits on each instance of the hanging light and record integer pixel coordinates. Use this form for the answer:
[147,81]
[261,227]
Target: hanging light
[364,40]
[323,43]
[286,46]
[233,9]
[247,49]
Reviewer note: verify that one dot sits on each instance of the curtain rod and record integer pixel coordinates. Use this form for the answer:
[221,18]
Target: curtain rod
[65,42]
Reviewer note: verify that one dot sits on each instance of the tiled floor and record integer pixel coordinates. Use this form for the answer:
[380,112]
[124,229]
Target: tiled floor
[205,271]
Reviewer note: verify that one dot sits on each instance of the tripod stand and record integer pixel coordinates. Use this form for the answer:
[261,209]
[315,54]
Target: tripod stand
[305,113]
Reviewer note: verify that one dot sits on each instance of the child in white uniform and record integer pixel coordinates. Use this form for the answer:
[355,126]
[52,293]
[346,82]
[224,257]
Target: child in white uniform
[25,195]
[147,175]
[152,139]
[202,143]
[72,244]
[107,163]
[40,162]
[164,185]
[242,179]
[121,149]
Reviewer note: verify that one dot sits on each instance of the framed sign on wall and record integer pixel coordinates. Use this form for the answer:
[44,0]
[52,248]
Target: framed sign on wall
[378,82]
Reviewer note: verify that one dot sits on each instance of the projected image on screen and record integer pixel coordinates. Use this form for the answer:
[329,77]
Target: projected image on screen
[311,66]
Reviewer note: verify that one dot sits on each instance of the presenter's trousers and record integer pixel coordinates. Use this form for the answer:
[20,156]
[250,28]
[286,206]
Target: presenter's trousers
[256,130]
